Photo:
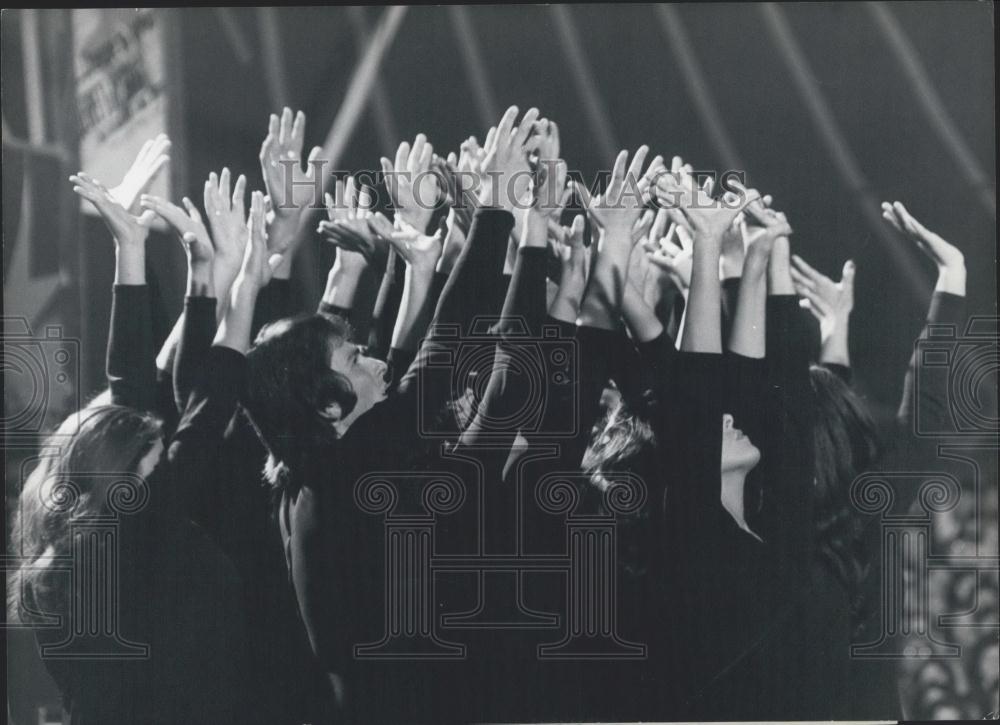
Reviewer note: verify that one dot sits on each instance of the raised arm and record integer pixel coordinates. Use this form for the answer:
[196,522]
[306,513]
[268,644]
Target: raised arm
[198,320]
[616,215]
[748,335]
[831,304]
[708,219]
[523,315]
[291,189]
[947,307]
[358,245]
[421,254]
[131,368]
[193,451]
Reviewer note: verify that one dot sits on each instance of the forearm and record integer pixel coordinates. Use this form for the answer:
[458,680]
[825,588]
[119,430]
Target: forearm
[639,316]
[282,233]
[834,349]
[130,264]
[130,366]
[946,309]
[951,280]
[197,331]
[390,297]
[200,281]
[779,269]
[342,283]
[748,336]
[234,330]
[703,314]
[415,309]
[602,300]
[565,305]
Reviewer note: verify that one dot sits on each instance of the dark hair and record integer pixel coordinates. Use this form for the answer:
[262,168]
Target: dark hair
[845,444]
[290,382]
[620,442]
[623,442]
[108,439]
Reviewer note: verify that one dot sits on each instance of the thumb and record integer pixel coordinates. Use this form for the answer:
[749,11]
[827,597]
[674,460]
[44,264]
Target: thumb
[275,260]
[847,274]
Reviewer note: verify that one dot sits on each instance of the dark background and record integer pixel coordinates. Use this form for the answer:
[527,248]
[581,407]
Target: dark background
[225,104]
[222,98]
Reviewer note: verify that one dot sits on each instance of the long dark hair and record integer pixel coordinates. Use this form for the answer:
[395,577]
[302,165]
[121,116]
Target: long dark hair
[845,444]
[104,439]
[290,383]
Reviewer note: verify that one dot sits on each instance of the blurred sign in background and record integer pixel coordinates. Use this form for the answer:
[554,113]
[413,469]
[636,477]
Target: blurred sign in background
[121,93]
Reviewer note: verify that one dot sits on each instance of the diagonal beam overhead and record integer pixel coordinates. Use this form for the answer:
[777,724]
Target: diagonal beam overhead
[697,85]
[475,69]
[932,105]
[839,150]
[569,39]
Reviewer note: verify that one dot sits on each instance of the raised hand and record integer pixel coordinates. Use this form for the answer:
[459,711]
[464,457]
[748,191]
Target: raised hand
[465,171]
[414,189]
[673,255]
[737,238]
[151,160]
[574,263]
[830,302]
[693,206]
[259,262]
[187,225]
[505,167]
[348,227]
[129,231]
[617,210]
[420,251]
[767,228]
[255,272]
[454,241]
[227,218]
[949,260]
[280,155]
[550,198]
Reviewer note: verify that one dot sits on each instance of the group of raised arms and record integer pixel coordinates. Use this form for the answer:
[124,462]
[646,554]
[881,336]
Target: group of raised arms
[701,400]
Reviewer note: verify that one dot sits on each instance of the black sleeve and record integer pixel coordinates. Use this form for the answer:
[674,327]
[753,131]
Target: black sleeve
[730,297]
[841,371]
[597,348]
[437,287]
[463,299]
[194,448]
[510,383]
[688,429]
[273,303]
[399,361]
[325,308]
[131,360]
[787,469]
[390,296]
[197,332]
[931,395]
[714,575]
[165,406]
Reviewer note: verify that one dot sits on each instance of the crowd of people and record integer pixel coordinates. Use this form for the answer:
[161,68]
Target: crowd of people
[711,363]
